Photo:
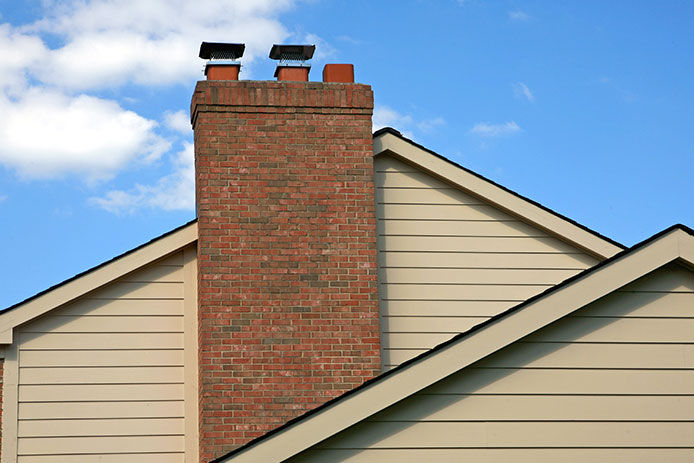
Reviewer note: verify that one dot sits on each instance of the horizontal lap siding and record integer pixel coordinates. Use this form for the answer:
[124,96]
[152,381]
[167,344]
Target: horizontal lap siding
[613,381]
[500,455]
[158,457]
[448,260]
[102,379]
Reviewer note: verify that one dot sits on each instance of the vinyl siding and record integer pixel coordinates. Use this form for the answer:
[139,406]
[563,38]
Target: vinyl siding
[612,382]
[102,379]
[448,260]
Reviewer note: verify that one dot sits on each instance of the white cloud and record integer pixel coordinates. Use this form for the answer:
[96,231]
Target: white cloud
[388,117]
[172,192]
[47,134]
[385,116]
[518,15]
[110,43]
[429,125]
[53,123]
[495,130]
[323,51]
[349,39]
[3,198]
[18,51]
[179,122]
[520,90]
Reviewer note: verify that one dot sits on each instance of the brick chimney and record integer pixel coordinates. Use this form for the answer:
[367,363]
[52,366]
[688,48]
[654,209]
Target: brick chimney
[287,264]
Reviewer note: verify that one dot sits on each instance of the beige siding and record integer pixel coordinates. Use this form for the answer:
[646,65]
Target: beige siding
[612,382]
[448,260]
[103,378]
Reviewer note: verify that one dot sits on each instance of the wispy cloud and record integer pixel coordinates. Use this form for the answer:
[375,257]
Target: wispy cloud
[323,49]
[484,129]
[518,15]
[520,90]
[3,198]
[385,116]
[349,39]
[178,121]
[428,125]
[175,191]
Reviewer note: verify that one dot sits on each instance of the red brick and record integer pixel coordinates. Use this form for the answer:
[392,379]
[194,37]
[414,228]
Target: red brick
[288,306]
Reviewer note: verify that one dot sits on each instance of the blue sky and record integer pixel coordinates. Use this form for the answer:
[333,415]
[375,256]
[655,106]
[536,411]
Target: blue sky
[584,106]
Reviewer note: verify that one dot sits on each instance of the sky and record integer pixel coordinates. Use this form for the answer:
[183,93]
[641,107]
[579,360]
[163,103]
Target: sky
[584,106]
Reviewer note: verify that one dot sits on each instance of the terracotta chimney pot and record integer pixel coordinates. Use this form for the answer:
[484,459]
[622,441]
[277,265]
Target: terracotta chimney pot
[338,73]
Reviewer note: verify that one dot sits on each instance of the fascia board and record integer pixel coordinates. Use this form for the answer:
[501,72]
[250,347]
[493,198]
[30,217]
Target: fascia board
[685,243]
[445,361]
[516,205]
[92,280]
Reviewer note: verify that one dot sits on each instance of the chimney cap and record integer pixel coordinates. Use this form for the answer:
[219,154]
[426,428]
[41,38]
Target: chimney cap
[292,52]
[217,50]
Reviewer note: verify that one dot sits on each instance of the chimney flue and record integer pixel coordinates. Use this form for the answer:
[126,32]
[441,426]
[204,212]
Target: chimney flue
[292,59]
[222,59]
[343,73]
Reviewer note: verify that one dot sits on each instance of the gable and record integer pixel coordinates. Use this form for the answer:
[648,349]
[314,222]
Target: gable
[94,278]
[609,382]
[449,260]
[111,374]
[388,141]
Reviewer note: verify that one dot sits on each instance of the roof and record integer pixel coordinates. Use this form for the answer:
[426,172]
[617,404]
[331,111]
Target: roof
[391,142]
[94,278]
[676,243]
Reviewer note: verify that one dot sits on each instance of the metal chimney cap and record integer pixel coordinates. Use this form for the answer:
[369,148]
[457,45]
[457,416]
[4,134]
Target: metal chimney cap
[216,50]
[292,52]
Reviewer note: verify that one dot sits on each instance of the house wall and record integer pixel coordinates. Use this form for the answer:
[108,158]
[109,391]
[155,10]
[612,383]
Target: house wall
[613,382]
[106,377]
[448,260]
[2,376]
